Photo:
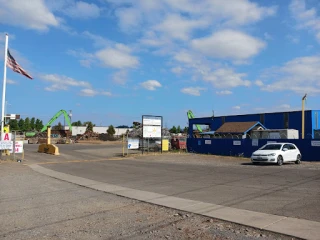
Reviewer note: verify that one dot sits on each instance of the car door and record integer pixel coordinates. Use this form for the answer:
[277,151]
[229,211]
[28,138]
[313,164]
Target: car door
[286,154]
[293,152]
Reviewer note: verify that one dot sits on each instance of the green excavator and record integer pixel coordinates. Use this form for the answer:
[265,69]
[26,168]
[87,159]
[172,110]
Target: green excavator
[190,116]
[57,115]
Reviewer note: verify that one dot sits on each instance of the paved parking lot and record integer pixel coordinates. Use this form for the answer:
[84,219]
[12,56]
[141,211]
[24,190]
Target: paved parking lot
[290,190]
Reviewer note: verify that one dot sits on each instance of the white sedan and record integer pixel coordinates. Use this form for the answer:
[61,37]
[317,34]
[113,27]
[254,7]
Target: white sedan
[277,153]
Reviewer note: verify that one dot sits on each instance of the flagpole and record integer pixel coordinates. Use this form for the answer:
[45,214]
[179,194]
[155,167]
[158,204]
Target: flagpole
[4,83]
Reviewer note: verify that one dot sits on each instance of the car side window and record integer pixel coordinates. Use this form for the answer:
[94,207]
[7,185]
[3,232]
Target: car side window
[292,147]
[287,146]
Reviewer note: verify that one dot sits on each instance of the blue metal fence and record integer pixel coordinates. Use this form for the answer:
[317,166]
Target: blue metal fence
[310,149]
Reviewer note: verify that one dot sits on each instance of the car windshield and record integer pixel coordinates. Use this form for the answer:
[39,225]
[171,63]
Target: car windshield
[271,147]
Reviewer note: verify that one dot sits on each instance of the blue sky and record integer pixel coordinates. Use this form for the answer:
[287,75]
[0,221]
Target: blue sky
[112,61]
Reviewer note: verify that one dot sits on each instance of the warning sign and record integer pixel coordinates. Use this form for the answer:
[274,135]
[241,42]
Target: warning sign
[18,147]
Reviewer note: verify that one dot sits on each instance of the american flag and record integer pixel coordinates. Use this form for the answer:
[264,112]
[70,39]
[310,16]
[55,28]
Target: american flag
[12,63]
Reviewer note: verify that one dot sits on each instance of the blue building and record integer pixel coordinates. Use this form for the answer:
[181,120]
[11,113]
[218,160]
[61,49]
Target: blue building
[275,120]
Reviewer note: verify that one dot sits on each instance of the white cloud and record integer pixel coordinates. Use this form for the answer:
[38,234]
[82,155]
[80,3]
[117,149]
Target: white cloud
[61,82]
[27,14]
[117,57]
[151,85]
[283,107]
[9,81]
[178,27]
[300,75]
[120,77]
[89,92]
[194,91]
[236,107]
[226,78]
[184,57]
[98,41]
[306,18]
[258,83]
[229,44]
[236,12]
[130,18]
[224,92]
[177,70]
[82,10]
[152,39]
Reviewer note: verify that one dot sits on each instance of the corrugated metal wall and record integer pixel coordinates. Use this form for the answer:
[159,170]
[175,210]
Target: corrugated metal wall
[231,147]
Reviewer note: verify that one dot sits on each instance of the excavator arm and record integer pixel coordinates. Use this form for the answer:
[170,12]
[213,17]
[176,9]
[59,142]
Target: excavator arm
[190,116]
[58,114]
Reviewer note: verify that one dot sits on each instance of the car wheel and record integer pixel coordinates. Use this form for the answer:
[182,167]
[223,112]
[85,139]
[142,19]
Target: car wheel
[280,160]
[298,161]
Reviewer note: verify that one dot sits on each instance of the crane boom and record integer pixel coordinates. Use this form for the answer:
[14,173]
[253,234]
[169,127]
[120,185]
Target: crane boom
[190,116]
[58,114]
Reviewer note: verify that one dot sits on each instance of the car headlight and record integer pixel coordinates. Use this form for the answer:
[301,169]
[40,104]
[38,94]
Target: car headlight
[271,154]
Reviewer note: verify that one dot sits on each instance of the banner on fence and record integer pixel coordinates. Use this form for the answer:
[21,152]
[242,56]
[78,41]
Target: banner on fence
[255,142]
[133,143]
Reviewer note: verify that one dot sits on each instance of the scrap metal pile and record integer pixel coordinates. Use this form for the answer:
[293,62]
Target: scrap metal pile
[88,135]
[137,133]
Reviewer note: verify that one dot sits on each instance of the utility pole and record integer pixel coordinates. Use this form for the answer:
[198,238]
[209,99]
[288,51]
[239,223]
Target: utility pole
[303,102]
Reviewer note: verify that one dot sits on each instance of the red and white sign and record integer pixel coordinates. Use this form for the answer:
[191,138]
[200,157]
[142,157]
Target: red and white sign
[6,137]
[18,147]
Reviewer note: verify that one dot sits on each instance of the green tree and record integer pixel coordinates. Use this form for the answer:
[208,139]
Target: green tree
[39,125]
[21,124]
[33,123]
[57,127]
[136,125]
[89,125]
[178,129]
[14,124]
[185,130]
[27,125]
[77,124]
[173,130]
[111,130]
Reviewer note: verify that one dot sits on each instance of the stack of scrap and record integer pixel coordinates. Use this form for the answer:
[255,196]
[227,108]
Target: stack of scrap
[106,137]
[88,135]
[137,133]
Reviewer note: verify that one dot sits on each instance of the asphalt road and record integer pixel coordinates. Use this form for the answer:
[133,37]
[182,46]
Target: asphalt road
[290,190]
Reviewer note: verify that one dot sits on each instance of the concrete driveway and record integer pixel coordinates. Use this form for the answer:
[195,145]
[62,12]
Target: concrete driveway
[290,190]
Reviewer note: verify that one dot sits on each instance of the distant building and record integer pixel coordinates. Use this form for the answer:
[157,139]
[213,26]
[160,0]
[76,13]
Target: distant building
[82,129]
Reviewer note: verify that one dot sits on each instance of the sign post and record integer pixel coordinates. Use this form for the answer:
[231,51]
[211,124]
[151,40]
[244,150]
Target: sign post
[151,128]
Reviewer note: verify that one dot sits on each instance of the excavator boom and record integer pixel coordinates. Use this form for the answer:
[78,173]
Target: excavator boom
[58,114]
[190,116]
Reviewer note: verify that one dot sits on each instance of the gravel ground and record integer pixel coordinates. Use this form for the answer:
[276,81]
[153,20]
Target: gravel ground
[34,206]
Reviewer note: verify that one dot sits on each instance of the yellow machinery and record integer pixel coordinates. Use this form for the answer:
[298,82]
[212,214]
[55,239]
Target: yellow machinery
[48,147]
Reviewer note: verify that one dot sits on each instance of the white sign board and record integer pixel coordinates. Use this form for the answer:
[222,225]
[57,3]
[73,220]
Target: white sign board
[133,143]
[207,141]
[18,147]
[5,145]
[255,142]
[152,131]
[6,137]
[150,120]
[237,143]
[315,143]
